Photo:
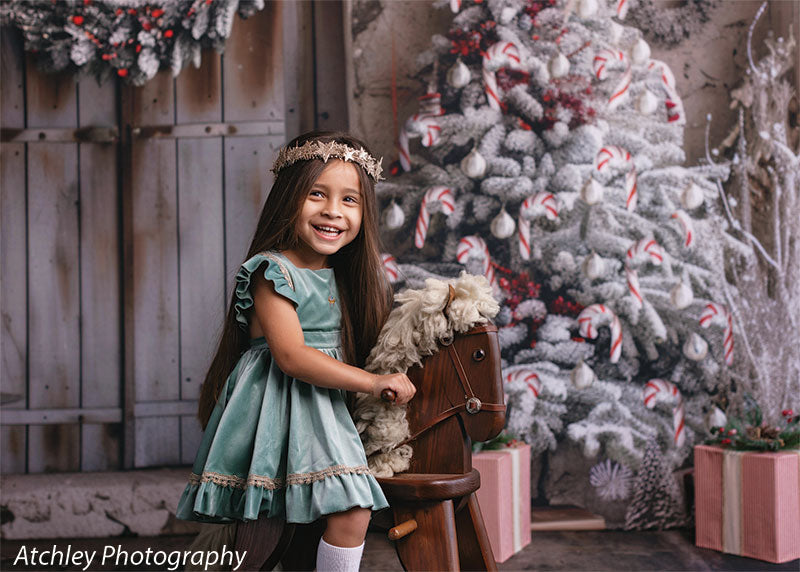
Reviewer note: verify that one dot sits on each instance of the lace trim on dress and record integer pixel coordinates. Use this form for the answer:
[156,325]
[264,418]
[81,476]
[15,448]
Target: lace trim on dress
[282,266]
[271,484]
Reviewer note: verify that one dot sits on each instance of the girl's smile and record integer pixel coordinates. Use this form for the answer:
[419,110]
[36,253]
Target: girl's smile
[331,215]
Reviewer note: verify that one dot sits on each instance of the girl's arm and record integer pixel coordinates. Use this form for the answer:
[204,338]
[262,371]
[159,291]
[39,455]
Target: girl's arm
[281,327]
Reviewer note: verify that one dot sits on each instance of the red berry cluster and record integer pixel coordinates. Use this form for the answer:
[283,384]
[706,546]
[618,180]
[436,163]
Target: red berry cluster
[564,307]
[788,414]
[518,289]
[552,101]
[471,44]
[508,78]
[533,7]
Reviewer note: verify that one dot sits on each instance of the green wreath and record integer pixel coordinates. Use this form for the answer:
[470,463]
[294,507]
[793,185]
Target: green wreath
[130,39]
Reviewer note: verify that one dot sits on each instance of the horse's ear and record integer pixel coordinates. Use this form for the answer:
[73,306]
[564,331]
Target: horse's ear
[450,297]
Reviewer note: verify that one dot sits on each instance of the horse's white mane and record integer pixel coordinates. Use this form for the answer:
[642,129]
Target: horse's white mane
[411,333]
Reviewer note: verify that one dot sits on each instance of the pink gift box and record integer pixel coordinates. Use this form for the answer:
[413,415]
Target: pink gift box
[748,503]
[505,498]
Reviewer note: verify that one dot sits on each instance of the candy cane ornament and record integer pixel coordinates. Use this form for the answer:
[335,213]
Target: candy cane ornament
[541,203]
[616,154]
[528,377]
[597,316]
[642,251]
[600,67]
[390,267]
[717,313]
[474,247]
[686,225]
[499,55]
[674,103]
[442,196]
[455,6]
[659,390]
[421,125]
[622,9]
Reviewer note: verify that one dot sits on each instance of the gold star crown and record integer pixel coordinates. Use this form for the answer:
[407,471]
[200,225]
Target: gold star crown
[318,150]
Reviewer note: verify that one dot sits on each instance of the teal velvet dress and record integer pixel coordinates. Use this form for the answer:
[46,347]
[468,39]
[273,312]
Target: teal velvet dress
[275,445]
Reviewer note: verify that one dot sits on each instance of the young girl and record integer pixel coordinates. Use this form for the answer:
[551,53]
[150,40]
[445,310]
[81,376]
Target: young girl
[309,303]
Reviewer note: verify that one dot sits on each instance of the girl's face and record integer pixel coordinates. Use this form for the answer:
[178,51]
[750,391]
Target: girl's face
[331,214]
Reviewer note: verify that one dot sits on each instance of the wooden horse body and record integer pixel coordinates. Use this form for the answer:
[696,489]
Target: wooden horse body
[459,399]
[437,520]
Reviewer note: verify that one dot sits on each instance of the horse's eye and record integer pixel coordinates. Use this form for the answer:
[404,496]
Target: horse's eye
[478,355]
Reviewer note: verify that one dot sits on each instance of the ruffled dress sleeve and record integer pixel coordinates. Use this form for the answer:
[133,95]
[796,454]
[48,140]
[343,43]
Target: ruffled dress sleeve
[275,270]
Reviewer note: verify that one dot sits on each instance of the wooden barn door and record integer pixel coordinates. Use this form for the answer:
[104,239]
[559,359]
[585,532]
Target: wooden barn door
[61,331]
[126,212]
[198,152]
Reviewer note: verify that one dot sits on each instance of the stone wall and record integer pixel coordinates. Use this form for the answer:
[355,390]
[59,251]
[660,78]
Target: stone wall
[706,65]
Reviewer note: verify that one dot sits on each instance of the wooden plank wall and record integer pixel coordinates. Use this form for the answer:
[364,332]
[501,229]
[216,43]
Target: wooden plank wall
[119,256]
[60,299]
[195,202]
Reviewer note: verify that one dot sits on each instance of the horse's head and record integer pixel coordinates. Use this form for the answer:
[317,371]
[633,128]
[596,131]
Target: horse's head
[476,380]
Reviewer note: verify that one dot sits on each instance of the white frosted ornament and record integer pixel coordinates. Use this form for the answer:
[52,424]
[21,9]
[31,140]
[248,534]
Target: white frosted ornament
[558,66]
[592,192]
[507,14]
[582,376]
[394,216]
[615,32]
[692,197]
[474,165]
[647,103]
[715,418]
[587,8]
[640,52]
[458,76]
[594,266]
[681,296]
[695,348]
[502,225]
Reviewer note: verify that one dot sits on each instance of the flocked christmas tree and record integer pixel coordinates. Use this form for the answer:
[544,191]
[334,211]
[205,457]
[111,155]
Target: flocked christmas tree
[547,155]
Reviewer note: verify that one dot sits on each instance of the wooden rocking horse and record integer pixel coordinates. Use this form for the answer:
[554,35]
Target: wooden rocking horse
[436,517]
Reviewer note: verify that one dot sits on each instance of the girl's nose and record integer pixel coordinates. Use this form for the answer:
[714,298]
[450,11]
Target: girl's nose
[331,209]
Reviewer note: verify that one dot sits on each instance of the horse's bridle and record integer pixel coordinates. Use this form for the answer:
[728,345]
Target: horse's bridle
[471,404]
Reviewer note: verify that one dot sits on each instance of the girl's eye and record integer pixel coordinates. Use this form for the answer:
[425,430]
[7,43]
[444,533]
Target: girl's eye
[315,193]
[351,199]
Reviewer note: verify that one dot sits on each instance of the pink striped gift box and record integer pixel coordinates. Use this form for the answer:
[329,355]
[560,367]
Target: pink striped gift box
[505,498]
[748,503]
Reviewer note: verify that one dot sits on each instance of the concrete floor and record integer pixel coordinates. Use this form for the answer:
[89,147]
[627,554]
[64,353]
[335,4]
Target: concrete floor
[594,551]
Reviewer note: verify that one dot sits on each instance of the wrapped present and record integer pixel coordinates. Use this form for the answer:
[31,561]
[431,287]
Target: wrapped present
[505,498]
[748,503]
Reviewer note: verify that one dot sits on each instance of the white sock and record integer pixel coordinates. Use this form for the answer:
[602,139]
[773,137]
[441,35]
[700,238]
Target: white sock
[337,559]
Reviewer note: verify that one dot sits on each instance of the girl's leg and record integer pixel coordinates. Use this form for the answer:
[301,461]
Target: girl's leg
[343,542]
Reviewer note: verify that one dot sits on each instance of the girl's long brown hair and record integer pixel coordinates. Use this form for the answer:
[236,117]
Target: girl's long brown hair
[364,292]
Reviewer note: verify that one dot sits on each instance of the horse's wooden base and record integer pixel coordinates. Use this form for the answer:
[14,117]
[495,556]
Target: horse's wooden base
[449,532]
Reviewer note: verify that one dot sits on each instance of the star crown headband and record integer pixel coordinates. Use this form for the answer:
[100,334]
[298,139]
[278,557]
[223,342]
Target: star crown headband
[318,150]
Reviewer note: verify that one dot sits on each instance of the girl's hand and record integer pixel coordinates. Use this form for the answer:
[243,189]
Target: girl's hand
[397,382]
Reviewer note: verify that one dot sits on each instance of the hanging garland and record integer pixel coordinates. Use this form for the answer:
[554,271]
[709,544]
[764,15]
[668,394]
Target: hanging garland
[130,39]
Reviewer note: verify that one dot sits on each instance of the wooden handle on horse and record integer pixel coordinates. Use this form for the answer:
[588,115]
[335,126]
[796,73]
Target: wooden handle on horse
[402,529]
[388,395]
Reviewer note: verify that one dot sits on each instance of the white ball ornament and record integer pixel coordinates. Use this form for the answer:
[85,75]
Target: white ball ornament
[681,296]
[503,225]
[587,8]
[640,52]
[695,348]
[458,76]
[582,376]
[592,192]
[558,66]
[474,165]
[394,216]
[692,197]
[507,14]
[615,32]
[647,103]
[715,418]
[594,266]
